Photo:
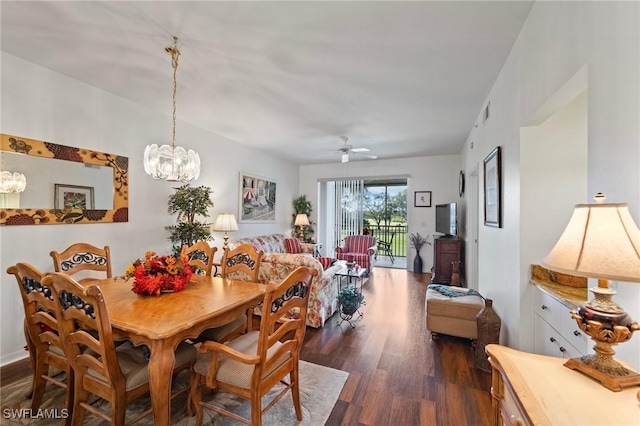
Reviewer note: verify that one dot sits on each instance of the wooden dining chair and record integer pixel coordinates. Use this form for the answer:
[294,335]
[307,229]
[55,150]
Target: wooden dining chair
[200,256]
[81,257]
[243,264]
[250,365]
[45,346]
[116,374]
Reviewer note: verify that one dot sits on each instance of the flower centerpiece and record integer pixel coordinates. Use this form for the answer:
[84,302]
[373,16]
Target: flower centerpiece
[159,274]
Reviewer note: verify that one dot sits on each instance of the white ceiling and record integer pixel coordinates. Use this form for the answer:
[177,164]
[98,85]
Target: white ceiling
[403,79]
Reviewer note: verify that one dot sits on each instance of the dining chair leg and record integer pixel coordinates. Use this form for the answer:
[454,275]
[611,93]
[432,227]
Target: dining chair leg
[295,391]
[77,417]
[256,408]
[39,383]
[32,359]
[68,400]
[195,396]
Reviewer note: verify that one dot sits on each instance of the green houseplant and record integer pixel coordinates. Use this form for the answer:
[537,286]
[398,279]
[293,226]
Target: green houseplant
[302,206]
[417,241]
[189,202]
[350,299]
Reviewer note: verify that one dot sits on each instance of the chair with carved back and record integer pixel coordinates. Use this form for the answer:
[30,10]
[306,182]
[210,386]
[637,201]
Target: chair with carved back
[200,255]
[41,333]
[241,263]
[118,374]
[250,365]
[83,258]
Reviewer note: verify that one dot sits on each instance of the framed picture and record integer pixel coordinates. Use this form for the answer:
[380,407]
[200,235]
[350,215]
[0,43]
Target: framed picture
[73,197]
[257,199]
[493,189]
[422,199]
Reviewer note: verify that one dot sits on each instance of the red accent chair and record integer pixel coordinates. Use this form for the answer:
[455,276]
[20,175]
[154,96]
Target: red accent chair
[360,248]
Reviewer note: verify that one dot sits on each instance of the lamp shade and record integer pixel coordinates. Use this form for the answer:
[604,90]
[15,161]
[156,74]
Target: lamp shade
[600,241]
[225,222]
[301,220]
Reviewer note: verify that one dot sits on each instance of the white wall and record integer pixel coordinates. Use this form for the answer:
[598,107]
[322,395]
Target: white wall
[436,174]
[559,39]
[553,170]
[40,104]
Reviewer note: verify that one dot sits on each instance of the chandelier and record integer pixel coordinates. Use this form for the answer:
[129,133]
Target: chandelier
[170,162]
[11,182]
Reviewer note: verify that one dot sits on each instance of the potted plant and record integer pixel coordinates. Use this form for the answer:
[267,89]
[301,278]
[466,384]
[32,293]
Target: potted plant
[302,206]
[417,241]
[189,202]
[350,299]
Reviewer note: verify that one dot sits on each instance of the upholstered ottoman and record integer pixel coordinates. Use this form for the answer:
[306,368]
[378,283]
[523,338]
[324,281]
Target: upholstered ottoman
[452,311]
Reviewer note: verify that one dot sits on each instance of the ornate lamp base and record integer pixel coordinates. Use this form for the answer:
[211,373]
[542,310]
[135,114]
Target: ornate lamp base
[608,325]
[613,382]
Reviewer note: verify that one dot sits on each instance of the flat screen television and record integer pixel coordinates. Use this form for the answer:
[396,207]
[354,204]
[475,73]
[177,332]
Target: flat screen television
[447,219]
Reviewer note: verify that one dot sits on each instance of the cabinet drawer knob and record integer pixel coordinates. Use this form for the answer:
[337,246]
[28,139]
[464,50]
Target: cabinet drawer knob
[516,421]
[552,339]
[562,349]
[576,333]
[544,307]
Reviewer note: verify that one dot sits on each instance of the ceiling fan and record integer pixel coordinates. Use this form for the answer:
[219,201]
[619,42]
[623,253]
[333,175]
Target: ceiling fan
[347,149]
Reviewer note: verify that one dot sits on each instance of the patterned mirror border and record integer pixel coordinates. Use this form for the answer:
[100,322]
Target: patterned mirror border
[45,216]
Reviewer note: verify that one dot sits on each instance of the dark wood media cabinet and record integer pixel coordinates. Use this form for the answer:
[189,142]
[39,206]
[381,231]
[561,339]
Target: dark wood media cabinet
[446,250]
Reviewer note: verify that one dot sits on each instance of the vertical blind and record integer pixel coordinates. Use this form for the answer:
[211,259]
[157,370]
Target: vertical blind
[349,208]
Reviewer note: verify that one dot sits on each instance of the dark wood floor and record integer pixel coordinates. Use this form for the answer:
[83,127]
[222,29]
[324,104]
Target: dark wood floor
[397,375]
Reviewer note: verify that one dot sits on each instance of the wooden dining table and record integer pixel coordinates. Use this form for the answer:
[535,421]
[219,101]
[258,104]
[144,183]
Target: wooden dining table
[162,322]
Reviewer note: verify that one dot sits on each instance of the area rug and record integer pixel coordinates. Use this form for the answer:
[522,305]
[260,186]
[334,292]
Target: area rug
[319,390]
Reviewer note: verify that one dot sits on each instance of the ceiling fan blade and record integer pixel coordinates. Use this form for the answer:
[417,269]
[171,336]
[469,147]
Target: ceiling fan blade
[360,149]
[370,156]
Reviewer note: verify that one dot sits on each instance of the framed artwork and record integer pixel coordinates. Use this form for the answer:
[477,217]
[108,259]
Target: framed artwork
[422,199]
[73,197]
[493,189]
[257,199]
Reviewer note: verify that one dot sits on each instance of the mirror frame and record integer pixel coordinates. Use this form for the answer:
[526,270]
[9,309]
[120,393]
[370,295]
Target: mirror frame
[48,216]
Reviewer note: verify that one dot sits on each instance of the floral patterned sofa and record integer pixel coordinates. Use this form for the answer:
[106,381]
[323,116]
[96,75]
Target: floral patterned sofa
[277,264]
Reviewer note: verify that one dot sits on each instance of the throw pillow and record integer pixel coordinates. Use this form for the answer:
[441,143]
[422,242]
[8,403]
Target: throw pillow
[292,245]
[326,261]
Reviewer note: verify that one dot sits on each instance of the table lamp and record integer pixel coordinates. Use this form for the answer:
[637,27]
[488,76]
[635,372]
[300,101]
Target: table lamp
[301,221]
[601,241]
[225,222]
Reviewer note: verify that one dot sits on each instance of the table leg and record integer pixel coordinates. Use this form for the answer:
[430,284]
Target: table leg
[161,365]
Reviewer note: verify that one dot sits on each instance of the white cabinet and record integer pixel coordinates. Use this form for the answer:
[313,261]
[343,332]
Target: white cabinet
[556,333]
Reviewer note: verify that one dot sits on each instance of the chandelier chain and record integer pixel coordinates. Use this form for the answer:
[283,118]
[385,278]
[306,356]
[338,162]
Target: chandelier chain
[175,54]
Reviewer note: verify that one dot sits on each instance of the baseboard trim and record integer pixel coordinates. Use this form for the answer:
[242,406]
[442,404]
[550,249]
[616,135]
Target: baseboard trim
[15,371]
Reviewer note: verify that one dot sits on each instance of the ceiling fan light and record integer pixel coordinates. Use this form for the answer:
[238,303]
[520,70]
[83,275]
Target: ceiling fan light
[345,158]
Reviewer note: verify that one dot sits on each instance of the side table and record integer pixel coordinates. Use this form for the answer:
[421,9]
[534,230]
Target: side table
[349,309]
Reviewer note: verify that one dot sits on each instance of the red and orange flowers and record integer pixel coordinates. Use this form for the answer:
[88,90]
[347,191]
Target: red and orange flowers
[158,274]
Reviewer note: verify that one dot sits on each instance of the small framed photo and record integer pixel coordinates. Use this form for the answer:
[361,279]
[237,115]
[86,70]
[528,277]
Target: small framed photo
[422,199]
[493,189]
[73,197]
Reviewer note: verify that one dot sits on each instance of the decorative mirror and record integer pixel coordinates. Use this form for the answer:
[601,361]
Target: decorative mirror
[64,184]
